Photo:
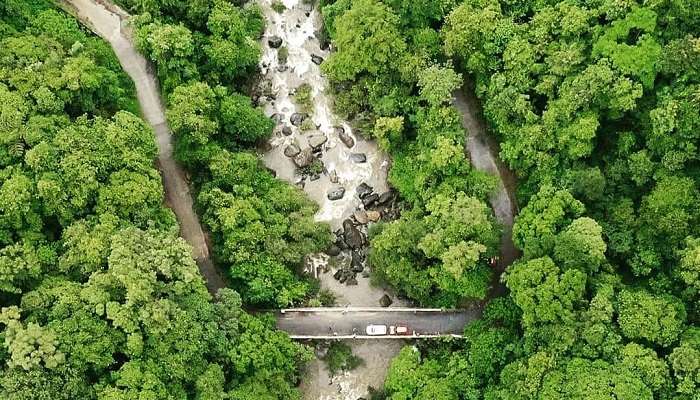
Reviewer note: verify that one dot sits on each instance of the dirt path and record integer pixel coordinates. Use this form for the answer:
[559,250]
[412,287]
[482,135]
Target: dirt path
[106,20]
[483,153]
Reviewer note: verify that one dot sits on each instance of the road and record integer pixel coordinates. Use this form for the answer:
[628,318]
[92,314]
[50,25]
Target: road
[483,154]
[331,323]
[106,21]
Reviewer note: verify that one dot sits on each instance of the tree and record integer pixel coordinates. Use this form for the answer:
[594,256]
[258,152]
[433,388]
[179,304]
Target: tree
[546,214]
[581,245]
[368,39]
[437,84]
[658,319]
[544,292]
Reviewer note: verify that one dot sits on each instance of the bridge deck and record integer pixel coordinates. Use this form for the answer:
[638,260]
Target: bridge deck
[351,323]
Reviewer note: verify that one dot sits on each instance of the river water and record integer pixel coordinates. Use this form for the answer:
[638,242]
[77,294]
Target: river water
[297,27]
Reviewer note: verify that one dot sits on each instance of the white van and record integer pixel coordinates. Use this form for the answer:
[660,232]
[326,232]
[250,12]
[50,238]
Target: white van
[376,330]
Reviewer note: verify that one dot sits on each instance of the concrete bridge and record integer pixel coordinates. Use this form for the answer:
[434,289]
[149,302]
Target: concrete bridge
[351,323]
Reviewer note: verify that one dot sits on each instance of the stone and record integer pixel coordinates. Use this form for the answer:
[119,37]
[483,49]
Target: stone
[318,60]
[316,141]
[333,176]
[368,200]
[292,150]
[385,301]
[353,237]
[385,197]
[358,158]
[338,274]
[275,42]
[277,118]
[341,243]
[343,276]
[344,137]
[361,217]
[287,130]
[364,190]
[336,193]
[297,119]
[304,158]
[351,282]
[333,251]
[314,177]
[374,216]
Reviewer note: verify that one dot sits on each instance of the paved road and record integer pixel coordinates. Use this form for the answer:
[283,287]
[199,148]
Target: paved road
[341,322]
[483,153]
[105,20]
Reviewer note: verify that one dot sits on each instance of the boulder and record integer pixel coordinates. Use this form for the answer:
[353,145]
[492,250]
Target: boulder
[277,118]
[353,237]
[338,274]
[287,130]
[343,276]
[368,200]
[318,60]
[333,251]
[358,158]
[275,42]
[364,190]
[385,197]
[316,141]
[344,137]
[385,301]
[336,193]
[351,282]
[361,217]
[304,158]
[297,119]
[374,216]
[292,150]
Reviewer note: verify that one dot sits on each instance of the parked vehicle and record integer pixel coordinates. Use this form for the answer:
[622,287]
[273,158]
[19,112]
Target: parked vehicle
[376,330]
[399,330]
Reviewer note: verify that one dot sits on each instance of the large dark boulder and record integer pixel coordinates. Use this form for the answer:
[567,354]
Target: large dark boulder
[385,301]
[364,190]
[368,200]
[344,136]
[297,119]
[275,42]
[304,158]
[292,150]
[318,60]
[353,237]
[336,193]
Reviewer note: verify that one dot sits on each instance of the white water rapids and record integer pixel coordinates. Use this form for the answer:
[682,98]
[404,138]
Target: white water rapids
[296,26]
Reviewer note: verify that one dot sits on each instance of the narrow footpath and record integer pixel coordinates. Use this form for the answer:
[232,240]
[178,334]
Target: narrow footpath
[105,19]
[483,154]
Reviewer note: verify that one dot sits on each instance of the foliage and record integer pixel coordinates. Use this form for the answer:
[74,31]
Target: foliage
[339,357]
[594,105]
[100,299]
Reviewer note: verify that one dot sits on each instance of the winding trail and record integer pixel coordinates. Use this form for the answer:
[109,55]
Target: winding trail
[105,19]
[483,154]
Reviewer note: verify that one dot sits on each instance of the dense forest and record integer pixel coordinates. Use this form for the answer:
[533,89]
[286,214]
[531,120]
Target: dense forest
[595,106]
[206,55]
[100,298]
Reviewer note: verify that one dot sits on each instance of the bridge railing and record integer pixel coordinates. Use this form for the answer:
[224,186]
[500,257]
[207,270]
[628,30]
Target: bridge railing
[368,309]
